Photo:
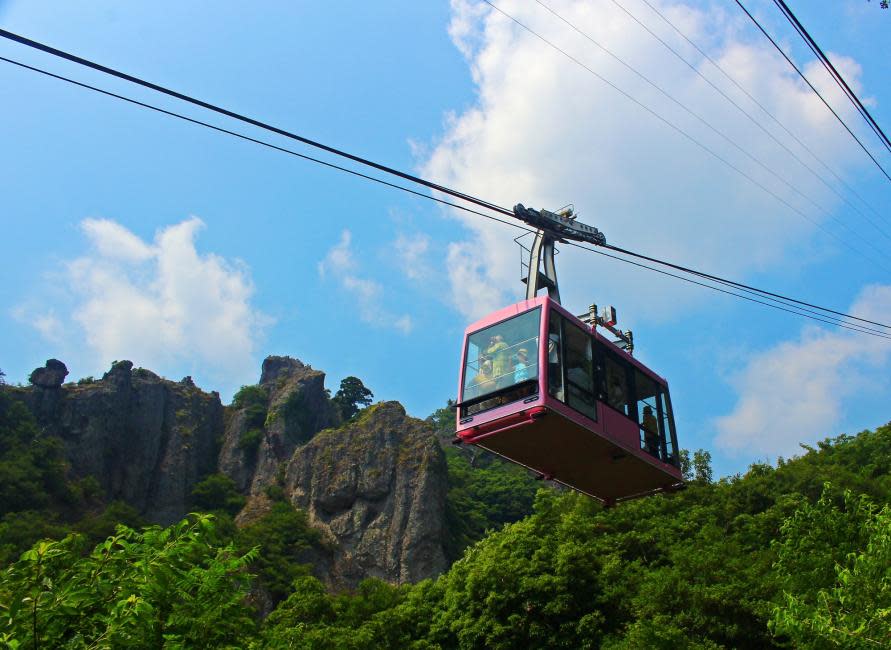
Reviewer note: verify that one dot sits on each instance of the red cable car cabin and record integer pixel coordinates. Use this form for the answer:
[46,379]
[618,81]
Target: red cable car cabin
[545,390]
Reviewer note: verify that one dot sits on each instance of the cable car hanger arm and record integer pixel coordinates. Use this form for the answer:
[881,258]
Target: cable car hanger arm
[551,227]
[562,226]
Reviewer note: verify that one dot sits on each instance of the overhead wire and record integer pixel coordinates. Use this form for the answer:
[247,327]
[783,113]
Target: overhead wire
[835,74]
[839,322]
[721,133]
[248,138]
[745,287]
[684,133]
[811,86]
[243,118]
[752,118]
[836,322]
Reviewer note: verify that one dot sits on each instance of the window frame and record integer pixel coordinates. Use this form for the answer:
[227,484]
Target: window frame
[498,392]
[567,382]
[564,370]
[601,354]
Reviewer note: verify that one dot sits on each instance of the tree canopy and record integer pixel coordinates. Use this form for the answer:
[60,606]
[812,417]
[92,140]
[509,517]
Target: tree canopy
[351,396]
[796,554]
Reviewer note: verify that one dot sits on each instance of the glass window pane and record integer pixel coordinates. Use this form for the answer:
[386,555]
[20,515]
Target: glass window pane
[667,425]
[651,431]
[502,355]
[579,370]
[616,385]
[555,358]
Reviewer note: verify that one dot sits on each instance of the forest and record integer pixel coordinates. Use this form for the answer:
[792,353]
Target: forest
[792,555]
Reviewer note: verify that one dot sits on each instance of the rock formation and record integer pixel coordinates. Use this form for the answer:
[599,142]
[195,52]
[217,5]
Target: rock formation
[147,440]
[375,485]
[50,376]
[297,407]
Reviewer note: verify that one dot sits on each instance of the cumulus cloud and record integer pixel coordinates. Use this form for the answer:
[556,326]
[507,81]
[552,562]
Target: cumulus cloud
[545,132]
[160,303]
[340,264]
[794,391]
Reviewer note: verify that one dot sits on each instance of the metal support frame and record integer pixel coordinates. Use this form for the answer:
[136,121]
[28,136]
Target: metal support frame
[551,227]
[625,339]
[542,252]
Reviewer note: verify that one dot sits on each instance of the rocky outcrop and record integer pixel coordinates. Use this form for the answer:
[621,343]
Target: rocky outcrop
[146,440]
[376,486]
[296,408]
[52,375]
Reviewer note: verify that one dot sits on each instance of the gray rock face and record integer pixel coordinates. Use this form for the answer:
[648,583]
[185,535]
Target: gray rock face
[51,376]
[147,440]
[377,488]
[297,407]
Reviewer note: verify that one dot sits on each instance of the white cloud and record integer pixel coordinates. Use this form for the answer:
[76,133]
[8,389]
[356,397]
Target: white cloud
[113,241]
[545,132]
[794,392]
[45,322]
[340,264]
[162,304]
[411,252]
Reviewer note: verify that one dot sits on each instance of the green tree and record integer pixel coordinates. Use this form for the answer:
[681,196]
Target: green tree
[217,493]
[351,395]
[311,618]
[483,496]
[254,402]
[34,490]
[702,466]
[284,538]
[163,587]
[835,561]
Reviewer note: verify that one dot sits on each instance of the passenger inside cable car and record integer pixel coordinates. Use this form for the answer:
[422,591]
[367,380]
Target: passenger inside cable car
[492,359]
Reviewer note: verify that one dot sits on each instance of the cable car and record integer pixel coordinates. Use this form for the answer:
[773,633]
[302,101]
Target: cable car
[545,389]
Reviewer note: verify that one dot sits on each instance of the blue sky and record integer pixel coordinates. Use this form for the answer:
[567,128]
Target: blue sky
[132,235]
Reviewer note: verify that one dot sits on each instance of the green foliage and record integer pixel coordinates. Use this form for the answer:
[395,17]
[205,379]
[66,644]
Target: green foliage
[484,491]
[284,538]
[253,401]
[171,587]
[310,618]
[351,395]
[298,418]
[250,396]
[771,558]
[20,530]
[443,421]
[34,490]
[835,563]
[484,494]
[32,470]
[249,442]
[217,493]
[702,466]
[96,528]
[696,569]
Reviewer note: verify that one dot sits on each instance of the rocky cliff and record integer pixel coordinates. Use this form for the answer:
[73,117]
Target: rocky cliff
[146,440]
[295,407]
[375,486]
